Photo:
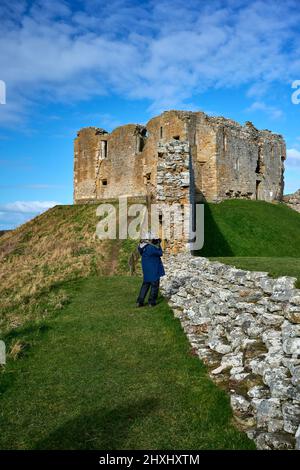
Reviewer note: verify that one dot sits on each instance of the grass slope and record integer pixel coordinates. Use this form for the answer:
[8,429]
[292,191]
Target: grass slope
[54,247]
[253,235]
[251,228]
[60,245]
[101,374]
[105,375]
[3,232]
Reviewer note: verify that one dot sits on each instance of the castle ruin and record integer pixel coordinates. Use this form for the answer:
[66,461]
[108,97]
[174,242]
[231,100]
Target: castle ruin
[222,160]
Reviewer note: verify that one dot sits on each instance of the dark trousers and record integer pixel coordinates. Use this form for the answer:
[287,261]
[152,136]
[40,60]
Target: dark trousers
[153,293]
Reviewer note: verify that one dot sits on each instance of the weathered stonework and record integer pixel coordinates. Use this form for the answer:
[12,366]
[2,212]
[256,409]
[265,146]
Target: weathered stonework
[226,159]
[173,191]
[293,200]
[246,327]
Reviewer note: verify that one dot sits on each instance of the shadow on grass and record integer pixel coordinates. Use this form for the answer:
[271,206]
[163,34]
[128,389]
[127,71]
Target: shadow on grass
[100,429]
[215,244]
[27,331]
[27,336]
[6,380]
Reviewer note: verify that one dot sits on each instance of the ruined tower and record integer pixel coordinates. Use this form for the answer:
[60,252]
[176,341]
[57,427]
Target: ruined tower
[227,160]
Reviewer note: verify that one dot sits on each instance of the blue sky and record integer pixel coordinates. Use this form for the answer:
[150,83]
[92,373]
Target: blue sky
[70,64]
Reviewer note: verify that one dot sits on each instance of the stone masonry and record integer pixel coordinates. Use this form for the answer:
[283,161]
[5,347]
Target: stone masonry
[227,160]
[246,327]
[173,191]
[293,200]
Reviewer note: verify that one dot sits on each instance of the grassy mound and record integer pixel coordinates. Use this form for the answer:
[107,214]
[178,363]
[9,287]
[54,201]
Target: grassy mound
[251,228]
[253,235]
[60,245]
[101,374]
[54,247]
[106,375]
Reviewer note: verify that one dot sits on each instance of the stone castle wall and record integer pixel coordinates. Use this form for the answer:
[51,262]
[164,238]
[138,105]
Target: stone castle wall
[229,160]
[246,327]
[250,163]
[86,154]
[108,165]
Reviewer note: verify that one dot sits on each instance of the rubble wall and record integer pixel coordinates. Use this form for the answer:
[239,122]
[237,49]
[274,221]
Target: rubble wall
[246,327]
[173,189]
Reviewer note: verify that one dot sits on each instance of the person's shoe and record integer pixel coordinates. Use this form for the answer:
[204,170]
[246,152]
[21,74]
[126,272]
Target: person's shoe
[140,305]
[152,305]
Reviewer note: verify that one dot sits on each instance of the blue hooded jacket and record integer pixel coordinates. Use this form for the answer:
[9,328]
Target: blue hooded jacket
[152,265]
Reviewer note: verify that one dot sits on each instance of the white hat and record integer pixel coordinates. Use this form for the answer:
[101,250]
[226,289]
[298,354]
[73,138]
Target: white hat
[148,236]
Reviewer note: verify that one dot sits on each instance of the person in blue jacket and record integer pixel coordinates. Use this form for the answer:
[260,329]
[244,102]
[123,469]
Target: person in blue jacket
[153,270]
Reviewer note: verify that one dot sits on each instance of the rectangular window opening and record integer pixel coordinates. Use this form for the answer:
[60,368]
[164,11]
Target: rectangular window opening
[104,182]
[141,144]
[161,132]
[104,149]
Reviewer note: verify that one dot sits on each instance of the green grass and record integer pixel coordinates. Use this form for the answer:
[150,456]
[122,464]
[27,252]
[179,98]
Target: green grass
[102,374]
[57,246]
[93,371]
[253,235]
[252,229]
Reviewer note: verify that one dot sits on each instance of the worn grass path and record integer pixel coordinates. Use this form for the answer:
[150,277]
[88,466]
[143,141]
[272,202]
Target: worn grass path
[105,375]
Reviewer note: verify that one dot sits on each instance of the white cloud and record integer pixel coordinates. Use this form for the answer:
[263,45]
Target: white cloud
[163,51]
[293,157]
[28,207]
[257,90]
[271,111]
[16,213]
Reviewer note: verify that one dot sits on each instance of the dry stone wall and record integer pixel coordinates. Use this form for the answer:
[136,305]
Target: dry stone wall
[246,327]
